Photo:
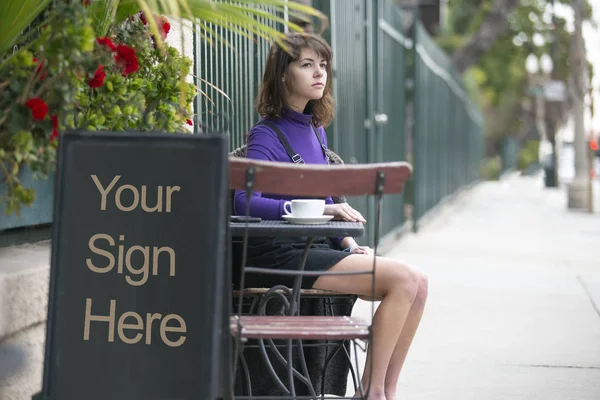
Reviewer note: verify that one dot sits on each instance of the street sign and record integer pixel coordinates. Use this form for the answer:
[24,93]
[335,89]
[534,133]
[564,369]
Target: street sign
[138,253]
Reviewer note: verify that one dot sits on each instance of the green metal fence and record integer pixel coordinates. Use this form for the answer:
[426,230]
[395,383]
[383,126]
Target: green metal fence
[389,117]
[349,40]
[387,72]
[378,51]
[228,72]
[448,134]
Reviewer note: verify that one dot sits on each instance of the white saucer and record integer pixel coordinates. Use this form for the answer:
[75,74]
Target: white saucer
[322,219]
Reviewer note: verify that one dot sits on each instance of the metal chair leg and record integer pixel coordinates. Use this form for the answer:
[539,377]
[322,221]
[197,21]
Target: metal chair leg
[246,374]
[302,359]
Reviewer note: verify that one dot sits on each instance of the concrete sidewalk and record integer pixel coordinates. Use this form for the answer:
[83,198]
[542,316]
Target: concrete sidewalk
[513,309]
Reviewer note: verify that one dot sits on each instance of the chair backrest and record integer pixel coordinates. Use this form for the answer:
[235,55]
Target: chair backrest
[318,180]
[332,159]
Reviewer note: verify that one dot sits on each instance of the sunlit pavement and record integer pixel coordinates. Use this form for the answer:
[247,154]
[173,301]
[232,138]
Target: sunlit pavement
[514,297]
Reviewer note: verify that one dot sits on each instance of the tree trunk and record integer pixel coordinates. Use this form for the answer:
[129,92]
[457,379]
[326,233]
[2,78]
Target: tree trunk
[493,27]
[579,190]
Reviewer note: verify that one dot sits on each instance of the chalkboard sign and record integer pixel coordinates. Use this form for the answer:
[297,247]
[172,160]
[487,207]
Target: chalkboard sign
[138,255]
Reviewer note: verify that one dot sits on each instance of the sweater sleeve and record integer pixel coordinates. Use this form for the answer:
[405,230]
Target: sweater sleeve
[261,144]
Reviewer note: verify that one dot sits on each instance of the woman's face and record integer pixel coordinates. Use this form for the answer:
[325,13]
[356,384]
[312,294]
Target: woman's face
[307,77]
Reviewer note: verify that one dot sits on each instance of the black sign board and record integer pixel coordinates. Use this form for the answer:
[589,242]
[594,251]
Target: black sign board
[138,255]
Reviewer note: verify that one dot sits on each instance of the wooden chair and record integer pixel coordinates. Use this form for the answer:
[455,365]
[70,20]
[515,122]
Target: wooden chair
[309,180]
[263,300]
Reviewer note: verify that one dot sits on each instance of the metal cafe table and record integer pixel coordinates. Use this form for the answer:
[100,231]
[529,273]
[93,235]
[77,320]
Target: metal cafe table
[270,228]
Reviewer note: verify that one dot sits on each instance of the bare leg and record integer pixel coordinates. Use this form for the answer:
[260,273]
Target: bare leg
[397,284]
[405,340]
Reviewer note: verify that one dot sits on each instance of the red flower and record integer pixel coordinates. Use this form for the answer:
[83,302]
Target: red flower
[98,79]
[39,68]
[106,42]
[189,122]
[126,59]
[38,108]
[86,2]
[54,134]
[165,26]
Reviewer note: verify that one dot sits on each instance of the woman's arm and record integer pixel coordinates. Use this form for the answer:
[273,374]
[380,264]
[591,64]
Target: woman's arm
[261,142]
[348,242]
[262,207]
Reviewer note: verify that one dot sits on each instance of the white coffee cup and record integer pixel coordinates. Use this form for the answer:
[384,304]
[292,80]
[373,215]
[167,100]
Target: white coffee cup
[304,208]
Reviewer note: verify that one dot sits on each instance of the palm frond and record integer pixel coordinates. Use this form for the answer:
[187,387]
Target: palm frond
[103,14]
[15,17]
[242,16]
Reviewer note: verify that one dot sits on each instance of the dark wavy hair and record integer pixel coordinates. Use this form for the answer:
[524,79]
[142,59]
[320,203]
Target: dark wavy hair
[271,98]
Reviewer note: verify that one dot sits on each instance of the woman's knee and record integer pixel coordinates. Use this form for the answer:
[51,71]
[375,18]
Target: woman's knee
[422,288]
[402,279]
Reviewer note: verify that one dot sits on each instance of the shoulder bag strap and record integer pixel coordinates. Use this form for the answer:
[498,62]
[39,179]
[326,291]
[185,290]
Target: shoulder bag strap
[296,158]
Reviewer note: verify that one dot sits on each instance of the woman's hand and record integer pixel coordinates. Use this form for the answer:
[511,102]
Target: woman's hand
[343,212]
[362,250]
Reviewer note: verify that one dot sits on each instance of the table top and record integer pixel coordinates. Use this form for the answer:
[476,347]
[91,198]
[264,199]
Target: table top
[267,228]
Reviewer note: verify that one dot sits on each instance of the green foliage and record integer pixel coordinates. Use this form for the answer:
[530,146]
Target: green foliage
[57,73]
[467,15]
[103,15]
[491,168]
[15,16]
[529,154]
[502,80]
[42,72]
[146,100]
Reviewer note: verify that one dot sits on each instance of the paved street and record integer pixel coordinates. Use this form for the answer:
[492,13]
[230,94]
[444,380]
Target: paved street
[513,309]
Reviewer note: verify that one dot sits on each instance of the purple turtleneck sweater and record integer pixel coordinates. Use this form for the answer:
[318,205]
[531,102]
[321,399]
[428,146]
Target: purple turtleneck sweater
[263,144]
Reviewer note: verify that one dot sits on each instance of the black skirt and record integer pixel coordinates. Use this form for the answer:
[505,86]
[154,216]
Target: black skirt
[285,253]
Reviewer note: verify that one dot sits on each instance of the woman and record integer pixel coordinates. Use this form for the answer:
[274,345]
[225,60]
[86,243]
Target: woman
[295,96]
